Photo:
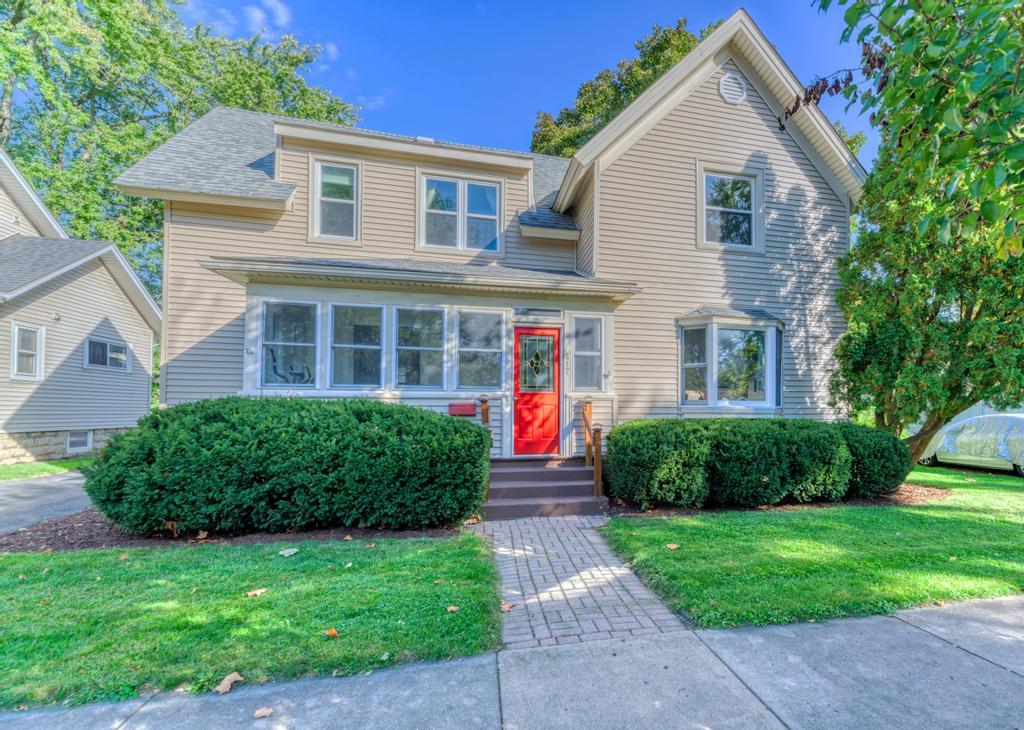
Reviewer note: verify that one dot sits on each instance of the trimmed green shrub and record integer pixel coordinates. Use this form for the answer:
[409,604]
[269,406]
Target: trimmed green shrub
[658,462]
[880,460]
[818,468]
[236,465]
[747,465]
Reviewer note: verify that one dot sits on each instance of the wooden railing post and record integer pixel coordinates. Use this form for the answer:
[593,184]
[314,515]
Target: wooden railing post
[588,443]
[597,462]
[485,411]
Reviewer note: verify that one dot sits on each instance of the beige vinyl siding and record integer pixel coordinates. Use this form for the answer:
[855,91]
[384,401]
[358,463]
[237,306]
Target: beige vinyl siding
[88,302]
[13,221]
[584,211]
[603,411]
[648,226]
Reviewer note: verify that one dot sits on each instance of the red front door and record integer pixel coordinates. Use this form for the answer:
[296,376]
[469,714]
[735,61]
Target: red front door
[536,390]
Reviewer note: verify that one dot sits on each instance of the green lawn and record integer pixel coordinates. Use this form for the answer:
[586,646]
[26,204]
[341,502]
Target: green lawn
[89,625]
[776,566]
[41,468]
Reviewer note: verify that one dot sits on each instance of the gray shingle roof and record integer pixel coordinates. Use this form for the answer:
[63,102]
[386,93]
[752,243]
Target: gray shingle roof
[230,152]
[24,259]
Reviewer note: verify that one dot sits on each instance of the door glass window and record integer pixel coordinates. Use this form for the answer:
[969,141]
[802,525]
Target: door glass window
[536,363]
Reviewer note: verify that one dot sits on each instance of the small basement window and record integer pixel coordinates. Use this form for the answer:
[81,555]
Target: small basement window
[79,441]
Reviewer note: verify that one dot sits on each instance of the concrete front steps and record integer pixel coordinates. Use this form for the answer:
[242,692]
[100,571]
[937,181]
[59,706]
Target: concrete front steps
[541,488]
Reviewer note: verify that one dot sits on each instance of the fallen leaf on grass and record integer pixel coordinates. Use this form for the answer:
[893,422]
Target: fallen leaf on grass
[202,534]
[263,712]
[672,546]
[45,571]
[123,556]
[25,577]
[453,609]
[506,606]
[225,684]
[348,565]
[192,591]
[48,551]
[332,633]
[287,552]
[347,537]
[437,582]
[256,592]
[371,545]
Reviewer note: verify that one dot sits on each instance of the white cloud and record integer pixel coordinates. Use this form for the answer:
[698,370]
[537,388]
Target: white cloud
[255,19]
[280,13]
[225,22]
[221,19]
[331,51]
[371,103]
[351,74]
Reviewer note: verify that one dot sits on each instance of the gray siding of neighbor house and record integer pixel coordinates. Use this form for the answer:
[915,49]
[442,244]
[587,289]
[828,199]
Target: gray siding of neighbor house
[12,220]
[647,233]
[87,301]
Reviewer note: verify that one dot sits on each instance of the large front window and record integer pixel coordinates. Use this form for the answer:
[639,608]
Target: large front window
[460,214]
[419,348]
[730,365]
[357,345]
[289,344]
[481,341]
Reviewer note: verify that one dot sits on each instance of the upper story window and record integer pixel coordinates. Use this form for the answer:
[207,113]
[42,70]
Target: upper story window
[337,205]
[290,344]
[587,357]
[26,352]
[106,354]
[460,214]
[730,214]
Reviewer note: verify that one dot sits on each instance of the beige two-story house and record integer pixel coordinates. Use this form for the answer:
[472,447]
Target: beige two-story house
[681,264]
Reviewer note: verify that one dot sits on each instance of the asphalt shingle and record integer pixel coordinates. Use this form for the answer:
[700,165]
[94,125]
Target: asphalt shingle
[24,259]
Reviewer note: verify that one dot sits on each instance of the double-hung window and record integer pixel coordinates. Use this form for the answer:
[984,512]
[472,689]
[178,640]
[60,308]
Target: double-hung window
[290,344]
[481,337]
[731,364]
[26,352]
[106,354]
[419,348]
[357,346]
[729,210]
[587,359]
[460,214]
[337,205]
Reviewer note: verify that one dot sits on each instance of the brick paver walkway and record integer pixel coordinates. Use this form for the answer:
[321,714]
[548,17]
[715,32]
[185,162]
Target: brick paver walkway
[566,586]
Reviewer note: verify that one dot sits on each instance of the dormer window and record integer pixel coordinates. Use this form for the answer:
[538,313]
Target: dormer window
[460,214]
[337,204]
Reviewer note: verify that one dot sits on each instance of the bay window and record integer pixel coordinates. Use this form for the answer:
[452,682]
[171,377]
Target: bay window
[289,344]
[357,346]
[460,214]
[419,348]
[480,345]
[587,359]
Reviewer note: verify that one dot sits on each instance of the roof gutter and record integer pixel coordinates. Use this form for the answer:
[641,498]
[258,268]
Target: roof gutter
[240,201]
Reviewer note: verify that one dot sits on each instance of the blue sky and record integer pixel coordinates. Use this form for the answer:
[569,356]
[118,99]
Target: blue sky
[477,71]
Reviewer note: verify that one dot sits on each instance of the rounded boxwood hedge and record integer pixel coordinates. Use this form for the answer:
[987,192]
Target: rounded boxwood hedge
[236,465]
[750,462]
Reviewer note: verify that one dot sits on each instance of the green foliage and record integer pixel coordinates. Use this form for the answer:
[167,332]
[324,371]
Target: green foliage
[608,93]
[853,141]
[237,465]
[653,462]
[934,325]
[880,461]
[93,625]
[946,88]
[88,87]
[729,462]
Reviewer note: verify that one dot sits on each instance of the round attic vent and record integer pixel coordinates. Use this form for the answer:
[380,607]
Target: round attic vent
[733,88]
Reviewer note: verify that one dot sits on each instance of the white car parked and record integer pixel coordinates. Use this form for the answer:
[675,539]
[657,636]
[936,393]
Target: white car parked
[991,442]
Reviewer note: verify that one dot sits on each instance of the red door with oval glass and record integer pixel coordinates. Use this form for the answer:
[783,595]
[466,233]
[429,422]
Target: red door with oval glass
[535,429]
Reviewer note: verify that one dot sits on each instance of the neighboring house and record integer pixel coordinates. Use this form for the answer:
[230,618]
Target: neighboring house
[76,333]
[682,263]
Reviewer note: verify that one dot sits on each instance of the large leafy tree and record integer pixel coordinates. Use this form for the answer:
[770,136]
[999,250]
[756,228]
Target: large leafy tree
[944,79]
[91,86]
[935,324]
[600,99]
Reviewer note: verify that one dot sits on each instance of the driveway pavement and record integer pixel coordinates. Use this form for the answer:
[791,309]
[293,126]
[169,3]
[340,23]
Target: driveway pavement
[26,501]
[957,666]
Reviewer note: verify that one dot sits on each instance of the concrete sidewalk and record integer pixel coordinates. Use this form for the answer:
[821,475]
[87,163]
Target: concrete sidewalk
[27,501]
[958,666]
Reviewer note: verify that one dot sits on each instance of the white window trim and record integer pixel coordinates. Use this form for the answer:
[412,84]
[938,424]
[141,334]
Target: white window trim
[772,340]
[602,374]
[459,311]
[108,342]
[317,343]
[462,212]
[315,163]
[81,449]
[445,348]
[332,346]
[40,351]
[756,177]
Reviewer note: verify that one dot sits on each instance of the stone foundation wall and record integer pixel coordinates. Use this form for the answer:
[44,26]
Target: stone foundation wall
[20,448]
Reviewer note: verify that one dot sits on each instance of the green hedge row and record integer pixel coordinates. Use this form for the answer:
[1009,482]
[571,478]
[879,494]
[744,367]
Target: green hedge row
[750,462]
[236,465]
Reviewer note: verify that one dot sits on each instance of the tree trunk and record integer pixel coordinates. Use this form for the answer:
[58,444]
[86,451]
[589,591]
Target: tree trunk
[6,110]
[920,440]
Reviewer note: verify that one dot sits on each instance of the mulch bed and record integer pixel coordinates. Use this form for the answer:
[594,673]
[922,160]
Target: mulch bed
[89,529]
[906,495]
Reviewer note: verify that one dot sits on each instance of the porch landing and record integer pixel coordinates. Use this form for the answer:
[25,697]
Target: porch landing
[542,488]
